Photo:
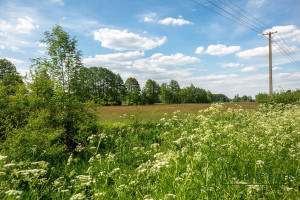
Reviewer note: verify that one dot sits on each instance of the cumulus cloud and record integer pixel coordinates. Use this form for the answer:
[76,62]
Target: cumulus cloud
[150,17]
[15,61]
[175,22]
[110,60]
[124,40]
[248,69]
[159,60]
[130,64]
[200,50]
[262,52]
[226,65]
[4,27]
[221,50]
[25,25]
[290,32]
[131,60]
[276,68]
[166,21]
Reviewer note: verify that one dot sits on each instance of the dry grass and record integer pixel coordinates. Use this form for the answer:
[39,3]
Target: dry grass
[152,113]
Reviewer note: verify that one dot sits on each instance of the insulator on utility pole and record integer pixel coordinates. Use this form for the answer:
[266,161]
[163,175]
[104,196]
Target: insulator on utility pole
[270,63]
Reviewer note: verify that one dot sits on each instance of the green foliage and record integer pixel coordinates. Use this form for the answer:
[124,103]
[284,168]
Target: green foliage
[244,98]
[62,61]
[133,91]
[150,93]
[220,98]
[192,94]
[14,109]
[37,140]
[6,67]
[262,98]
[286,97]
[170,93]
[11,82]
[100,85]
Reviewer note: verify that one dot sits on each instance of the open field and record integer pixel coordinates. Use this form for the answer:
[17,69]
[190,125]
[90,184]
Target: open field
[196,157]
[153,113]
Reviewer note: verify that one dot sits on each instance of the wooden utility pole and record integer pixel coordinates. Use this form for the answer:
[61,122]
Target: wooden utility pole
[270,63]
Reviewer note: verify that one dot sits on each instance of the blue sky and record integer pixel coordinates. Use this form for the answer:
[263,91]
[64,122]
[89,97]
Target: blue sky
[162,40]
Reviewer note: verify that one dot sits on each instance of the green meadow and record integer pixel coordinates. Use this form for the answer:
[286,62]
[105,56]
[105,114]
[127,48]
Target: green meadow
[175,157]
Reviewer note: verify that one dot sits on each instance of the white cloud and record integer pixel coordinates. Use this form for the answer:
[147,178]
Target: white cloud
[4,27]
[111,60]
[160,60]
[276,68]
[248,69]
[15,61]
[59,2]
[149,17]
[130,64]
[41,44]
[200,50]
[262,52]
[25,25]
[212,77]
[290,32]
[221,50]
[174,22]
[124,40]
[225,65]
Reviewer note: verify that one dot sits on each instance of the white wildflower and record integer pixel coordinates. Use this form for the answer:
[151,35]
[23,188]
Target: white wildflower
[154,145]
[70,159]
[170,196]
[34,172]
[100,194]
[260,162]
[77,196]
[9,165]
[13,192]
[2,157]
[91,159]
[42,164]
[261,146]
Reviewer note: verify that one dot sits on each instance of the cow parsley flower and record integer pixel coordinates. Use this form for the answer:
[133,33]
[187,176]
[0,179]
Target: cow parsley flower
[78,196]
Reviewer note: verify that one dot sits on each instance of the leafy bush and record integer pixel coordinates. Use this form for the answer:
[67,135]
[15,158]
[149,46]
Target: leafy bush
[286,97]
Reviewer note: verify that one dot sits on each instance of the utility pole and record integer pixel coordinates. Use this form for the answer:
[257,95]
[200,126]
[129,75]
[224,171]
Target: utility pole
[270,62]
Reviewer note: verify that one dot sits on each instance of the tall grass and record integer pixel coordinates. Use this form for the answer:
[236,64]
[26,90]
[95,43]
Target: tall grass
[171,159]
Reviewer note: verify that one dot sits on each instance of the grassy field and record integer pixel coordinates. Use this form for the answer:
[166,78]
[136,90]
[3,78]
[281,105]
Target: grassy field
[202,152]
[195,157]
[153,113]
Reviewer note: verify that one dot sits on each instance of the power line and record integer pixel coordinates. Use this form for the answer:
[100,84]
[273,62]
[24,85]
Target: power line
[281,45]
[232,15]
[224,16]
[241,14]
[290,53]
